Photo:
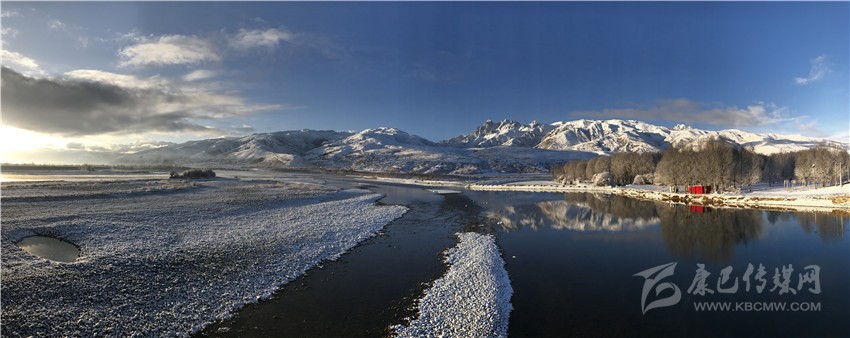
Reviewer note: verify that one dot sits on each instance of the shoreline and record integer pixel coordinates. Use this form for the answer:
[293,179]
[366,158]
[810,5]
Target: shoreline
[835,204]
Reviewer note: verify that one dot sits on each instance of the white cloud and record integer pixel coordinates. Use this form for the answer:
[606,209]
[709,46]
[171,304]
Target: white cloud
[120,80]
[83,41]
[244,129]
[820,68]
[56,25]
[270,38]
[10,13]
[686,111]
[14,58]
[133,36]
[199,74]
[168,50]
[9,31]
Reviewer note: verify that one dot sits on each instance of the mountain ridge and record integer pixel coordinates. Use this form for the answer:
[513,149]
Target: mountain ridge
[505,146]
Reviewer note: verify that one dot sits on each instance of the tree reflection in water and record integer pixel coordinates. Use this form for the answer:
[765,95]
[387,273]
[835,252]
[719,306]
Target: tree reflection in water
[829,227]
[710,236]
[703,234]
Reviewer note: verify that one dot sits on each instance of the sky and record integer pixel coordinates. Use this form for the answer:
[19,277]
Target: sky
[125,76]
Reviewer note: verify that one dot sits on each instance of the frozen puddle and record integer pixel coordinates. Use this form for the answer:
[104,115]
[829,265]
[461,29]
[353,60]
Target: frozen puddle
[50,248]
[471,300]
[445,192]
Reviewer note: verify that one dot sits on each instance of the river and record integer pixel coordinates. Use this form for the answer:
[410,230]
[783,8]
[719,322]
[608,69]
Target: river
[573,259]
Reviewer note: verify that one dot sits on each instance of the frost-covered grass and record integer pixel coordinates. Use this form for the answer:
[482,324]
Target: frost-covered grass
[170,261]
[56,190]
[471,300]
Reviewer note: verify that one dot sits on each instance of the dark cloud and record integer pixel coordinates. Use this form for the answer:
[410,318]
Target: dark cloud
[75,146]
[76,108]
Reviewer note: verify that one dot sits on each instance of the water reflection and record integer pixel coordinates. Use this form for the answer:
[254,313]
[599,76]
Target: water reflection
[50,248]
[574,270]
[710,236]
[689,232]
[579,212]
[828,227]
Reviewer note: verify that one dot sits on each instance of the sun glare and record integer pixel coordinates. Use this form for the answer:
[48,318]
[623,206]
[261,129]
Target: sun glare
[15,143]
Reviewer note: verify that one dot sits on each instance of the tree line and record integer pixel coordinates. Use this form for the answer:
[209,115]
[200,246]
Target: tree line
[716,163]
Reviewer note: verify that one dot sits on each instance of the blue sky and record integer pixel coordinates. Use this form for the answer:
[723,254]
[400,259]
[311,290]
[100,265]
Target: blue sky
[197,70]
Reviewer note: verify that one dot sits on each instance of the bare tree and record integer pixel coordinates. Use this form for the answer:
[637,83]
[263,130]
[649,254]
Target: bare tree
[581,171]
[668,169]
[603,164]
[590,169]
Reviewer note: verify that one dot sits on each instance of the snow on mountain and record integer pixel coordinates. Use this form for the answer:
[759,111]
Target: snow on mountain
[393,150]
[765,144]
[505,133]
[506,146]
[390,150]
[605,136]
[611,136]
[284,148]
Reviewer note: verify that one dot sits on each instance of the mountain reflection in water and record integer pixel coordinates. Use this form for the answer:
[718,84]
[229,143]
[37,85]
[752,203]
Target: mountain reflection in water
[711,235]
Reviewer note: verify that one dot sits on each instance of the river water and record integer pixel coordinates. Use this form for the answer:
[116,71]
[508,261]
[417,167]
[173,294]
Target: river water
[573,259]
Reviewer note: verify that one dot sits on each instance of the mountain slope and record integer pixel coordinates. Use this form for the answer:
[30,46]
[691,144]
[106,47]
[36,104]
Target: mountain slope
[505,133]
[284,148]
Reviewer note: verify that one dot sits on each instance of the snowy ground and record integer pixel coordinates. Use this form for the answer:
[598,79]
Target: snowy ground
[762,195]
[471,300]
[165,258]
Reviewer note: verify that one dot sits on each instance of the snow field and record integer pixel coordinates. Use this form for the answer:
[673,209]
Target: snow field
[168,264]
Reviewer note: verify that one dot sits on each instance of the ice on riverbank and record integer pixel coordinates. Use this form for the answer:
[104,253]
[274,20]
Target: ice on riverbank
[471,300]
[169,262]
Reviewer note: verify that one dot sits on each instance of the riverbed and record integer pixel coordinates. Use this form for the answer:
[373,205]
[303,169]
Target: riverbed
[575,260]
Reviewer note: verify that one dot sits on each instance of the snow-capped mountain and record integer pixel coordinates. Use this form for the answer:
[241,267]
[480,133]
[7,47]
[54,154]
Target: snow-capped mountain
[506,146]
[605,136]
[389,150]
[393,150]
[611,136]
[505,133]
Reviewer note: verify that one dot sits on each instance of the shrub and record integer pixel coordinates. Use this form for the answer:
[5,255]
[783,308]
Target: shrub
[194,173]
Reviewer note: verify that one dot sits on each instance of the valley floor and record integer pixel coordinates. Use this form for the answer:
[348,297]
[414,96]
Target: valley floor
[168,256]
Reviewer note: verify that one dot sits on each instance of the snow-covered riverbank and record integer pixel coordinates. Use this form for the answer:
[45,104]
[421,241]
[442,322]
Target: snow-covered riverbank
[471,300]
[163,259]
[799,198]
